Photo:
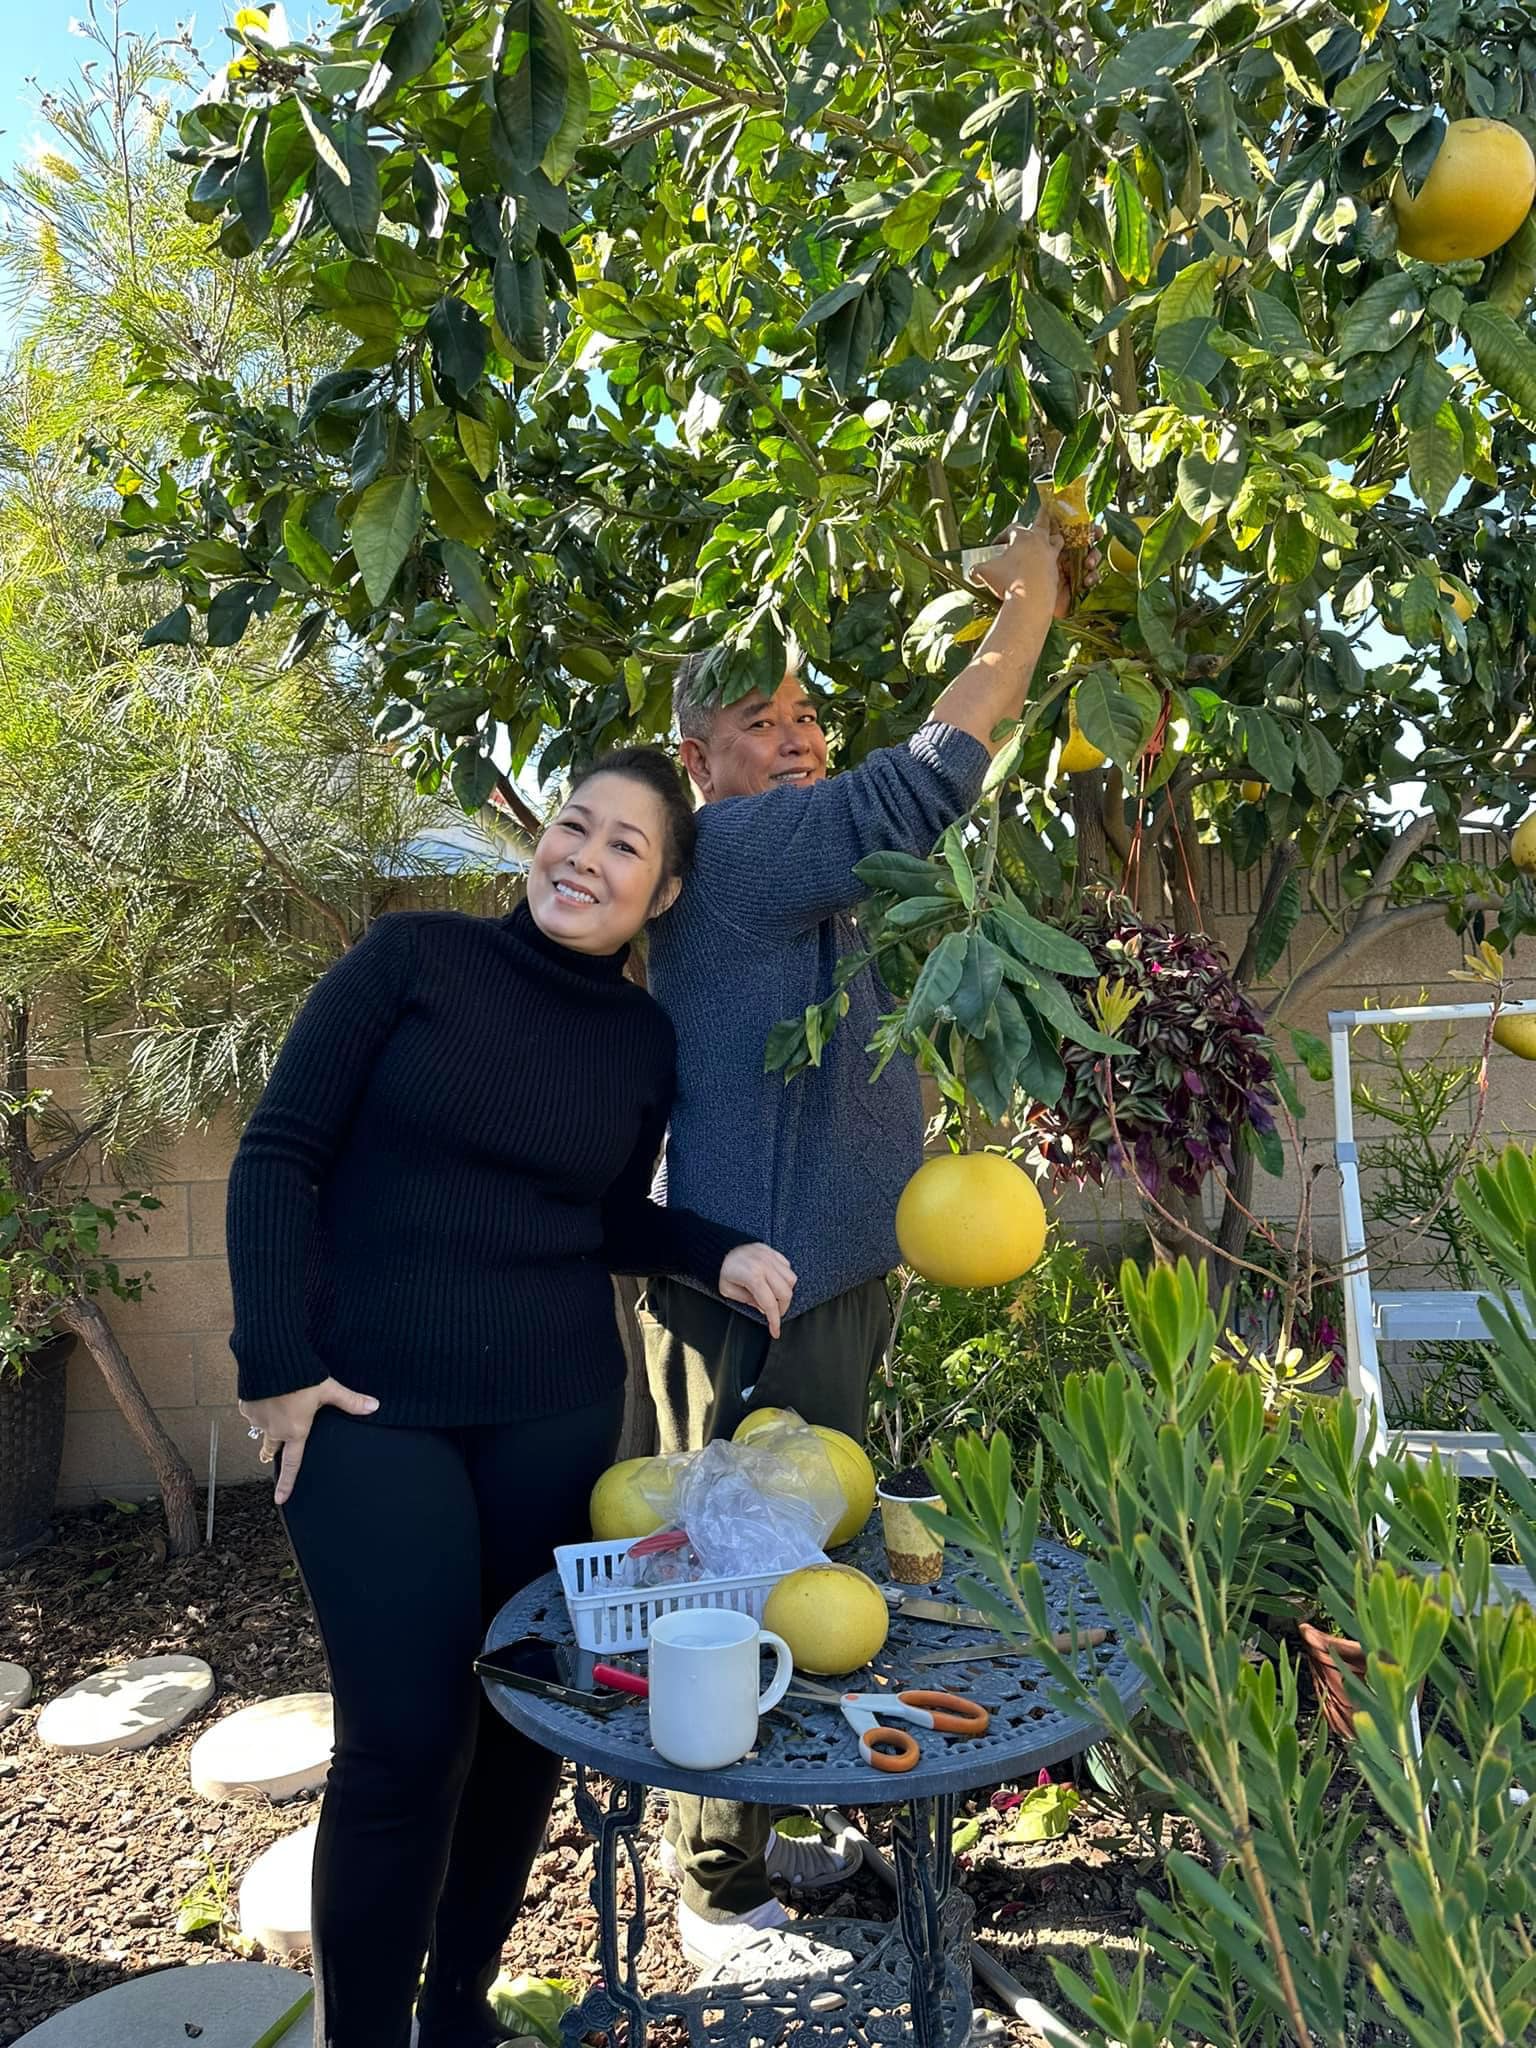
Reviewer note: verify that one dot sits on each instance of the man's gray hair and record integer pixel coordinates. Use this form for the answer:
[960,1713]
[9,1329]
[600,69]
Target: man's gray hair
[696,689]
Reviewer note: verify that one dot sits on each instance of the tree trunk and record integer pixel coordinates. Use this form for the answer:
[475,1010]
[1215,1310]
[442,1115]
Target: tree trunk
[172,1473]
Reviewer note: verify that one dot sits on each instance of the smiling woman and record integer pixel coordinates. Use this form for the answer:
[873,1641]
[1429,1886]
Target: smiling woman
[614,855]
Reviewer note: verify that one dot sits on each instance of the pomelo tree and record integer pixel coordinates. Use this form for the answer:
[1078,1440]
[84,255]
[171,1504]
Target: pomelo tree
[732,324]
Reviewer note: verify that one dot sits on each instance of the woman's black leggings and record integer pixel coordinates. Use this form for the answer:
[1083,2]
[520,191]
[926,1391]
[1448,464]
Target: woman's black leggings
[409,1540]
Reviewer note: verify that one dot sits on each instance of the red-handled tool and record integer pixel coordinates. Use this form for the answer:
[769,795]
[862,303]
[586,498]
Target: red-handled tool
[617,1679]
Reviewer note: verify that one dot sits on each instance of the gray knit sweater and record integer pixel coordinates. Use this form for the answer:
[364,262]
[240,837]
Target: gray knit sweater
[813,1166]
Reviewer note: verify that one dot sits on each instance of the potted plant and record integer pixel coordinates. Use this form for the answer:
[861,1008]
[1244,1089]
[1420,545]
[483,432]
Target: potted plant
[52,1264]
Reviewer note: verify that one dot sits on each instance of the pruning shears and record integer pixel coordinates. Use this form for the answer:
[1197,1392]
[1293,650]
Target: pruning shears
[869,1713]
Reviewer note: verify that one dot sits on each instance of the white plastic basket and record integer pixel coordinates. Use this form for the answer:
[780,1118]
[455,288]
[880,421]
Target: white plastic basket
[610,1616]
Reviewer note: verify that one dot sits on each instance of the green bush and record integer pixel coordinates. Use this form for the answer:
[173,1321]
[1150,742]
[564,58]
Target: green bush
[1389,1902]
[990,1359]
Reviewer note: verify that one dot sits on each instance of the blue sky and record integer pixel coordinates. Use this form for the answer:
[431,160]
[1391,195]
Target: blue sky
[38,45]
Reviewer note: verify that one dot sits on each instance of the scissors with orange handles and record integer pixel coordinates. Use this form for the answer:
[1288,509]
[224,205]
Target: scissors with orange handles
[869,1714]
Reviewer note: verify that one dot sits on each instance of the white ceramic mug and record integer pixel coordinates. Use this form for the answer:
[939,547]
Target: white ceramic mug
[704,1678]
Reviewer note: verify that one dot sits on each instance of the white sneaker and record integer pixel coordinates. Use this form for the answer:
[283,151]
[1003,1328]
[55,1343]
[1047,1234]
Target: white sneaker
[762,1943]
[801,1863]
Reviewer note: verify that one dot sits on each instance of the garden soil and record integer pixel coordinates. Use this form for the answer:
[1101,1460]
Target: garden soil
[98,1855]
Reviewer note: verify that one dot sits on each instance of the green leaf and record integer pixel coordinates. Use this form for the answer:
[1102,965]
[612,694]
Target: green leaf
[289,152]
[473,777]
[457,503]
[953,848]
[1425,390]
[251,195]
[1275,932]
[1041,944]
[1292,549]
[480,443]
[898,874]
[1209,482]
[1419,612]
[461,344]
[937,982]
[1190,294]
[383,528]
[981,976]
[410,50]
[230,613]
[1383,314]
[1129,224]
[1435,459]
[346,180]
[174,630]
[1315,1054]
[1220,136]
[1054,332]
[1149,54]
[307,555]
[1109,719]
[847,339]
[1504,353]
[1265,743]
[560,154]
[530,80]
[469,586]
[517,286]
[1059,195]
[1320,765]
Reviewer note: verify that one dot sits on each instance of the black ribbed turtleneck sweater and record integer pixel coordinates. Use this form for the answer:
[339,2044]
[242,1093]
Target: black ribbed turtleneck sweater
[452,1155]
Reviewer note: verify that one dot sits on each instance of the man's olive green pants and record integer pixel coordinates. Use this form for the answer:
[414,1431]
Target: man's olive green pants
[707,1367]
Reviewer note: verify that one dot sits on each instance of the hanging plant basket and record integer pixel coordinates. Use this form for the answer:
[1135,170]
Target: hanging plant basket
[32,1402]
[1196,1081]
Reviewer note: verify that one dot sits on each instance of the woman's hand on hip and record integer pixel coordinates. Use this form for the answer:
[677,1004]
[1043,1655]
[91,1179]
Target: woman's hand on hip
[286,1420]
[756,1273]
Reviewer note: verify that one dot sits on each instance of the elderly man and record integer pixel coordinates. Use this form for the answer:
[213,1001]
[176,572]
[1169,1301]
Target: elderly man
[814,1167]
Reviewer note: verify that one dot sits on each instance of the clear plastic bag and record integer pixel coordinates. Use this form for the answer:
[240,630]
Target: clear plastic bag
[665,1559]
[766,1505]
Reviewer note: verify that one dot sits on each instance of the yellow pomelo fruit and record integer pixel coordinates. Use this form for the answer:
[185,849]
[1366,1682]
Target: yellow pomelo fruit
[1522,847]
[1120,556]
[856,1476]
[760,1418]
[1517,1034]
[970,1219]
[618,1508]
[1478,191]
[833,1618]
[1079,756]
[1462,605]
[1253,792]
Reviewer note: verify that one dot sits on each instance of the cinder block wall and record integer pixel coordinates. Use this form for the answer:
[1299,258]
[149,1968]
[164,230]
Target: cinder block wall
[177,1336]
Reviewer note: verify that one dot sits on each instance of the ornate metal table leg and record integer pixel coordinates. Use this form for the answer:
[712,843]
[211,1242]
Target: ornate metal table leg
[921,1838]
[612,1829]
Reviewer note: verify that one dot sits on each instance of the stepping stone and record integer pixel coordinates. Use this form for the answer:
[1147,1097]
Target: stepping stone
[126,1706]
[274,1896]
[217,2005]
[270,1751]
[15,1690]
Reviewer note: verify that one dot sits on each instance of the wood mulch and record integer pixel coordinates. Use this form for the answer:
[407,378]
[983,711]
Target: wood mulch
[99,1854]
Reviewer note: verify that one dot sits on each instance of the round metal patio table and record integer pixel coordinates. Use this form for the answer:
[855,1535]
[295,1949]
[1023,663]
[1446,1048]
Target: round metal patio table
[807,1756]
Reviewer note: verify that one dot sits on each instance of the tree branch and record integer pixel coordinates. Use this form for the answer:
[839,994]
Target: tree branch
[518,810]
[290,880]
[1361,935]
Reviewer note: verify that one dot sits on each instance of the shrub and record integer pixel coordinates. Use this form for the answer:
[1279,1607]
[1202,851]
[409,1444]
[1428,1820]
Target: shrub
[1393,1907]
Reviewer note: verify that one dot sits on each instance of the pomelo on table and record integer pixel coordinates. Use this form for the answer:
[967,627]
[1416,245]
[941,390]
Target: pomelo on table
[855,1474]
[970,1219]
[833,1618]
[618,1508]
[1478,191]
